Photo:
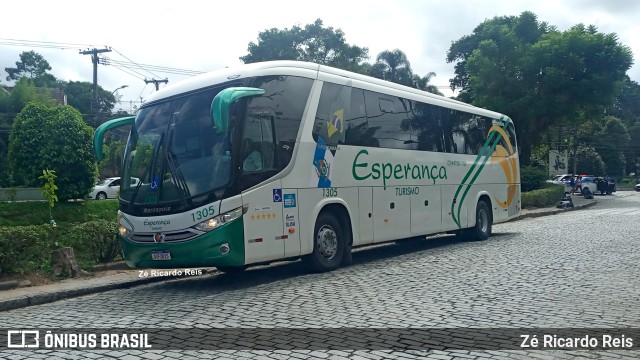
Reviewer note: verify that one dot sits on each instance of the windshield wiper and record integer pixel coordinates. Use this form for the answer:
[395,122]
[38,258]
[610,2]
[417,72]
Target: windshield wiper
[179,180]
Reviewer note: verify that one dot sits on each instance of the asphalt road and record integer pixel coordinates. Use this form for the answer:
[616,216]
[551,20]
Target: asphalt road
[580,269]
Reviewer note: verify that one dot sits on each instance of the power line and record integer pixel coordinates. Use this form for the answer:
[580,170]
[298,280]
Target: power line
[165,69]
[43,44]
[128,73]
[105,61]
[121,54]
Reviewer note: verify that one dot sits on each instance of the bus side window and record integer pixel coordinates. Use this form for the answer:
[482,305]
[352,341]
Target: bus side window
[341,116]
[387,118]
[286,98]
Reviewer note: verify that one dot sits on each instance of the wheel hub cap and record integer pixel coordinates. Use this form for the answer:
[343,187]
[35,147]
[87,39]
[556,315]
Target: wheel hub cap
[483,220]
[327,241]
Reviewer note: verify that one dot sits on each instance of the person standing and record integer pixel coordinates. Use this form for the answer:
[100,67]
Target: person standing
[579,184]
[572,184]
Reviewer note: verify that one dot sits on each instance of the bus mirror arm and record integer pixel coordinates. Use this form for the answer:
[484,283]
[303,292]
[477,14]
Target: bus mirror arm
[222,101]
[98,137]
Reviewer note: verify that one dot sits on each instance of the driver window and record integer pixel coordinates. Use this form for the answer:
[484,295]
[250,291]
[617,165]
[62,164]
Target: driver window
[257,145]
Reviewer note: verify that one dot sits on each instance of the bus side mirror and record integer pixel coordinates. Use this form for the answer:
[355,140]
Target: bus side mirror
[222,101]
[98,137]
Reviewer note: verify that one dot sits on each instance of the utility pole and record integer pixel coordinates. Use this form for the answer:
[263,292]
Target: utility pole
[575,149]
[156,82]
[94,59]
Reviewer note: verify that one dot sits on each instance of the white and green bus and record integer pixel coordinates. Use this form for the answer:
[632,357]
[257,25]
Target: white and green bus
[284,160]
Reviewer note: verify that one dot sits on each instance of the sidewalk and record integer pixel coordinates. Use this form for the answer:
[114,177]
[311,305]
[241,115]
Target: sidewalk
[578,203]
[120,277]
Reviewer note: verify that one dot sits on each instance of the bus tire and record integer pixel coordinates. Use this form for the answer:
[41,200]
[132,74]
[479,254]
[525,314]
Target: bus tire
[484,220]
[328,244]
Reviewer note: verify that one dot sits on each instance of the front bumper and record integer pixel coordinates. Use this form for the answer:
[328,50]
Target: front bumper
[203,251]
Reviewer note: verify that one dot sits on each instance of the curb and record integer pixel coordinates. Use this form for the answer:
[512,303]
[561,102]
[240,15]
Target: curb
[49,297]
[117,265]
[554,211]
[8,285]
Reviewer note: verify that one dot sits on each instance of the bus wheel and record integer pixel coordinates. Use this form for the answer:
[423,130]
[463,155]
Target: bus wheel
[328,244]
[482,229]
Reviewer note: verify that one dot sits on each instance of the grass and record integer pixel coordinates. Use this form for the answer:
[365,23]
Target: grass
[37,212]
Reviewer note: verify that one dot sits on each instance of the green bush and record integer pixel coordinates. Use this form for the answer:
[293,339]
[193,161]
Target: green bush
[533,178]
[97,239]
[56,138]
[548,196]
[24,248]
[28,248]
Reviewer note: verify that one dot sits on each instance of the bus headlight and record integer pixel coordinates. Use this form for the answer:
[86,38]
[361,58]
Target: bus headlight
[219,220]
[123,231]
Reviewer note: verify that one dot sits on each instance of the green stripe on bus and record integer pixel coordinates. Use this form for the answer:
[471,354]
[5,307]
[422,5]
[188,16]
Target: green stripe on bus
[456,217]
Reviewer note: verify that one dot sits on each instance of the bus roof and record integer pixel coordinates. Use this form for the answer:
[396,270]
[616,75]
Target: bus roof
[307,69]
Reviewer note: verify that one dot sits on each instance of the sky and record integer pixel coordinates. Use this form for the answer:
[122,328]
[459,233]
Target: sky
[209,35]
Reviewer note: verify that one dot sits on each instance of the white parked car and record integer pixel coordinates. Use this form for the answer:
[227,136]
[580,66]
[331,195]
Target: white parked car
[109,188]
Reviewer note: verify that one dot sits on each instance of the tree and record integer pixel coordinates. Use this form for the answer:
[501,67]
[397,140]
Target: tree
[56,138]
[588,161]
[611,142]
[10,104]
[423,83]
[79,94]
[633,149]
[393,66]
[538,75]
[25,92]
[33,66]
[314,43]
[627,104]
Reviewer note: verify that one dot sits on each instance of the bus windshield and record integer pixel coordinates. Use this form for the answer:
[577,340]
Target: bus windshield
[175,151]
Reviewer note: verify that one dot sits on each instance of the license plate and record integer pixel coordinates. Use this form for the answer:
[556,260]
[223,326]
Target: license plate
[161,255]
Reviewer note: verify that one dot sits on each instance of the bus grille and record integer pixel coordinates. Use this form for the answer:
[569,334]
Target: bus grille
[169,237]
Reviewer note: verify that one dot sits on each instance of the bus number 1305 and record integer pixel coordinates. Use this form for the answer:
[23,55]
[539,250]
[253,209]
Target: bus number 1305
[329,192]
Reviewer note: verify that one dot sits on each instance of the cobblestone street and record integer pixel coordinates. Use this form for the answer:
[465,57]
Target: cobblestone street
[574,270]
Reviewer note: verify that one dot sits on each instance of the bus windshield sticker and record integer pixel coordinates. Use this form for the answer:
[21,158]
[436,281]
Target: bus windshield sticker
[154,184]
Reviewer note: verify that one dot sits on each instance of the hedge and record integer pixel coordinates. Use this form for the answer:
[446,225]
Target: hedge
[533,178]
[23,248]
[28,248]
[548,196]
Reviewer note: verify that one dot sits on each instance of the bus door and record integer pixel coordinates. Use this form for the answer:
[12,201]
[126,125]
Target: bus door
[263,223]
